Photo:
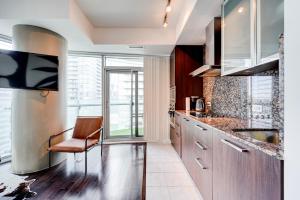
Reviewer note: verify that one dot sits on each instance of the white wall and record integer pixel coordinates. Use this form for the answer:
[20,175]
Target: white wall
[292,100]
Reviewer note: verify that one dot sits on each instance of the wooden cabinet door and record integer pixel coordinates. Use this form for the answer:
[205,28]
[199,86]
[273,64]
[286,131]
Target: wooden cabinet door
[268,177]
[173,136]
[241,172]
[176,138]
[232,176]
[187,144]
[185,140]
[179,140]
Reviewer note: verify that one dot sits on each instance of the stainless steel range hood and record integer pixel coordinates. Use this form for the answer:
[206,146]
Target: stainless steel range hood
[212,51]
[207,71]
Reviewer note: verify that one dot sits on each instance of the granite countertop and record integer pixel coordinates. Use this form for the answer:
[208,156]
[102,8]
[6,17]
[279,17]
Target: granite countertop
[226,124]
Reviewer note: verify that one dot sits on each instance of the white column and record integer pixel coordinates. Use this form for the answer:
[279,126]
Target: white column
[291,100]
[35,118]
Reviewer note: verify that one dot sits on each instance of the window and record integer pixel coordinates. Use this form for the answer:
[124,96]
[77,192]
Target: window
[5,112]
[84,86]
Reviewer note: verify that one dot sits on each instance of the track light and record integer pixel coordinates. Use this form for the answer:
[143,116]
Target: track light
[165,24]
[168,8]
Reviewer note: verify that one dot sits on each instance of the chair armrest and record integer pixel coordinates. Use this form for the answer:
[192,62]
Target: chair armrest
[58,134]
[91,135]
[55,135]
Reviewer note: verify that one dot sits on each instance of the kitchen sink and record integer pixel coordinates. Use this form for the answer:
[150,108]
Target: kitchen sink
[260,134]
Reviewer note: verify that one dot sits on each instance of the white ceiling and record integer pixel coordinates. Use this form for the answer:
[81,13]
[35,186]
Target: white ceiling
[203,13]
[111,26]
[129,13]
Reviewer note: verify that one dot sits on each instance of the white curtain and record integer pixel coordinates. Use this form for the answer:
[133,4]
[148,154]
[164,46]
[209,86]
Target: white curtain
[156,103]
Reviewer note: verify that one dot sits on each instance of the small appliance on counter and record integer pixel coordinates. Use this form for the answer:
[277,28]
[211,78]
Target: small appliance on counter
[195,103]
[200,105]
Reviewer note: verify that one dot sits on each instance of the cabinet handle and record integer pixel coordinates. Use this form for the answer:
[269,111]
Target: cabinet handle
[239,149]
[200,145]
[197,160]
[186,119]
[178,134]
[200,127]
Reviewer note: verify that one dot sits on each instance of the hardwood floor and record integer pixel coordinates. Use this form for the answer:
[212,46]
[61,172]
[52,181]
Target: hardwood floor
[119,175]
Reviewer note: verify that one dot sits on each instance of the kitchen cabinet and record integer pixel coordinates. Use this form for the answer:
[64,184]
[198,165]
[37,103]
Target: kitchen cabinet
[241,172]
[202,159]
[197,154]
[187,143]
[250,35]
[224,168]
[237,35]
[270,25]
[183,60]
[175,134]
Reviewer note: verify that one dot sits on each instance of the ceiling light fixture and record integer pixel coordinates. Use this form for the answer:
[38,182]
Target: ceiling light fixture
[165,24]
[168,8]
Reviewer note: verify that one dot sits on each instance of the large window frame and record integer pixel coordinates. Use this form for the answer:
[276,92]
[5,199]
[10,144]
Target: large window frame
[5,111]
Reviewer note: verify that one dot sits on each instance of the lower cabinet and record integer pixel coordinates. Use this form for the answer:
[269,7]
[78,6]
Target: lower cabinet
[187,143]
[225,169]
[241,172]
[197,154]
[202,159]
[176,138]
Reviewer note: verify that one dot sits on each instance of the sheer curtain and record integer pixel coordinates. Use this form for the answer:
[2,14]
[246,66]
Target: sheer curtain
[156,94]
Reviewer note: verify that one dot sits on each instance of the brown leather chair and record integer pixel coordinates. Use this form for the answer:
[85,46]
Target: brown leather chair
[86,135]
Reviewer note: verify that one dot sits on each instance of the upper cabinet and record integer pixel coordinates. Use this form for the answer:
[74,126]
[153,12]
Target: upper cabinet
[250,34]
[270,25]
[237,35]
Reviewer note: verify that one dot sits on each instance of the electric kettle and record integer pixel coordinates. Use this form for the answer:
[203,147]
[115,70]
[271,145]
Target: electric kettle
[200,105]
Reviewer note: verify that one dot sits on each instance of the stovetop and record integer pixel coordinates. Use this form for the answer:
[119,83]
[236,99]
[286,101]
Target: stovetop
[204,115]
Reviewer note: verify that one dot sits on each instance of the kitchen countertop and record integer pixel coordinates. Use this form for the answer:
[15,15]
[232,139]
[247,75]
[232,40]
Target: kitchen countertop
[226,124]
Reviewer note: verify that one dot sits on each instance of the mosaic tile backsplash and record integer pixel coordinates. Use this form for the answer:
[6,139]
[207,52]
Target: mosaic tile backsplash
[248,97]
[245,96]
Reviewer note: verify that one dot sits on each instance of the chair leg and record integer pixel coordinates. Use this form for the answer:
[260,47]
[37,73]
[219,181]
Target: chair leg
[101,143]
[101,147]
[85,162]
[49,159]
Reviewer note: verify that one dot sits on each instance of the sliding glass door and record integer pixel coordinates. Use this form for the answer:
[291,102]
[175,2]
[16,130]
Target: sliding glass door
[124,102]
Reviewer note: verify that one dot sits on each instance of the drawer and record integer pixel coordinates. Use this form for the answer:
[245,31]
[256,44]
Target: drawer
[202,152]
[203,178]
[202,134]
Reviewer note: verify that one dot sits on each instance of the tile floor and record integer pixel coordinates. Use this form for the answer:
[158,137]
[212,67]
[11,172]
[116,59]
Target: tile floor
[167,178]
